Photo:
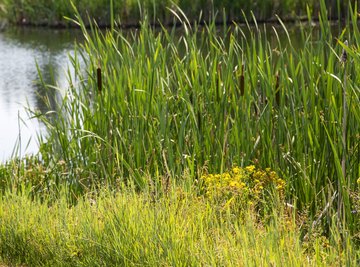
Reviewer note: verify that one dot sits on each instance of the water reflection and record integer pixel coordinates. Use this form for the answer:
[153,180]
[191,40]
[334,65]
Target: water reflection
[20,50]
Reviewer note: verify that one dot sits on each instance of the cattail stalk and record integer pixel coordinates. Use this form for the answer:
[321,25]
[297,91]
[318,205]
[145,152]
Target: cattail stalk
[277,89]
[343,60]
[218,81]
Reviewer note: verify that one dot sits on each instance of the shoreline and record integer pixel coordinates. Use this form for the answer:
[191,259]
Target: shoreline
[136,25]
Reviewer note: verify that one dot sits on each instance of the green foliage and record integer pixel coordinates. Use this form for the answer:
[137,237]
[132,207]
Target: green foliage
[174,103]
[51,12]
[242,188]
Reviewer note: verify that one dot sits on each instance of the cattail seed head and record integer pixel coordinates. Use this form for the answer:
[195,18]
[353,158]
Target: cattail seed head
[242,82]
[99,79]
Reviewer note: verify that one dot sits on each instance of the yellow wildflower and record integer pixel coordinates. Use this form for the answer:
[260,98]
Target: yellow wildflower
[237,177]
[236,170]
[226,176]
[241,184]
[250,168]
[234,184]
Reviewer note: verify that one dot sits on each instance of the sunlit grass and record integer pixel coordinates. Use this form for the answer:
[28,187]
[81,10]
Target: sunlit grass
[128,229]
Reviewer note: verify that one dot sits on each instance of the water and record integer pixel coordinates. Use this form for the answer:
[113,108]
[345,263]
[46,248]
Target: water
[20,50]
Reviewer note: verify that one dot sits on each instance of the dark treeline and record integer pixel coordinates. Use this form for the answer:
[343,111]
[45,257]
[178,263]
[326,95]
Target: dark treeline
[129,12]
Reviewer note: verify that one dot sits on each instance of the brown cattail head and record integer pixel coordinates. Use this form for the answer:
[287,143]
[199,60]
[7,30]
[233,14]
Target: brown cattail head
[99,79]
[242,82]
[344,54]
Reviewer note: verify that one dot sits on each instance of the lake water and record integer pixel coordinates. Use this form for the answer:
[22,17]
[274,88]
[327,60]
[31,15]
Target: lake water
[20,50]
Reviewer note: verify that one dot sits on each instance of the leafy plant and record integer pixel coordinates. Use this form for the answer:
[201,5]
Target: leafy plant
[242,188]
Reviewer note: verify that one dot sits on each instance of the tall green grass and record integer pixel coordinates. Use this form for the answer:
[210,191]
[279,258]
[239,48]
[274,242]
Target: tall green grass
[201,100]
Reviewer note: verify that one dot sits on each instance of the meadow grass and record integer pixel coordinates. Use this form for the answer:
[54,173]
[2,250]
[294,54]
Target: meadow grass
[126,228]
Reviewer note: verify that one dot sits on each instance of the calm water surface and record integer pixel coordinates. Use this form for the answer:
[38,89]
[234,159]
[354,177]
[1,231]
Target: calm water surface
[20,50]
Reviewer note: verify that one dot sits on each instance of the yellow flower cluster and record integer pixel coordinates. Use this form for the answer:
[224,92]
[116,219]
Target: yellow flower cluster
[247,183]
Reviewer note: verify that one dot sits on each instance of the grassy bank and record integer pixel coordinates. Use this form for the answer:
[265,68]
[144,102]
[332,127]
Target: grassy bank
[177,225]
[130,229]
[51,13]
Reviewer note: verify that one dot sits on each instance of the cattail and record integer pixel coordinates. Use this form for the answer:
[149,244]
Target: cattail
[341,205]
[242,82]
[99,79]
[344,54]
[277,89]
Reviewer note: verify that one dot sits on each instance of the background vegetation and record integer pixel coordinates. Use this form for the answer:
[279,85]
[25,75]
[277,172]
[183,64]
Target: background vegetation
[129,12]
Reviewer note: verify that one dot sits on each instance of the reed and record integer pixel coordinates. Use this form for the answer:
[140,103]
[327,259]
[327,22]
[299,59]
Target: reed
[170,106]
